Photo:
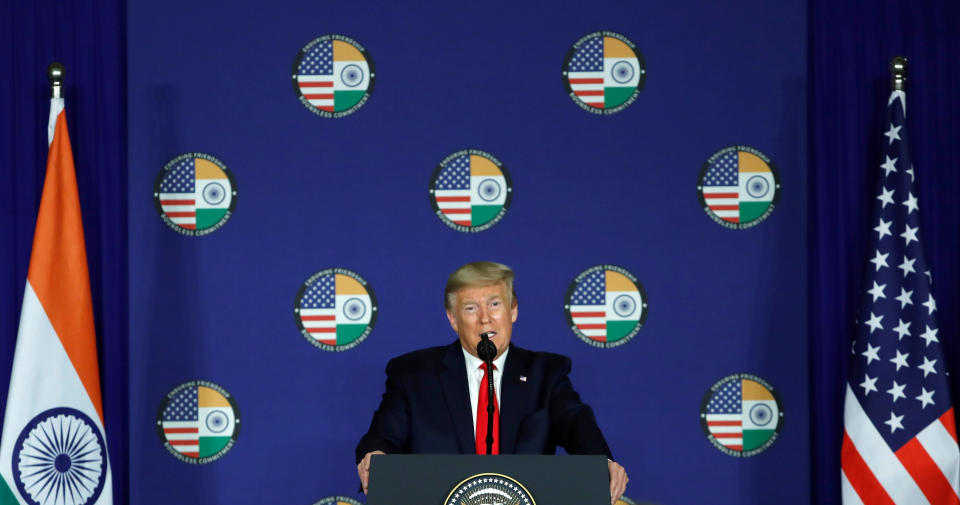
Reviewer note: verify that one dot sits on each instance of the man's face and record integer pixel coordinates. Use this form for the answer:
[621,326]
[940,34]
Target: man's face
[483,309]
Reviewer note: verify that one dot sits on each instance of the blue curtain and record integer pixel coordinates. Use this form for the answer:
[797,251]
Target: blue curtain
[851,44]
[88,38]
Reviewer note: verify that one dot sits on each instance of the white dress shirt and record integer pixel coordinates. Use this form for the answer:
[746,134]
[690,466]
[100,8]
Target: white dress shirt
[475,377]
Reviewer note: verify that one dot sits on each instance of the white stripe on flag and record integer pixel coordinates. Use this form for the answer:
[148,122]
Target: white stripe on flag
[43,378]
[881,461]
[446,207]
[942,448]
[580,87]
[579,320]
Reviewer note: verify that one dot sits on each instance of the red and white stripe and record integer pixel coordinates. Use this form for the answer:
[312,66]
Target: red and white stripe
[321,324]
[724,201]
[727,429]
[591,320]
[924,471]
[183,436]
[318,90]
[454,204]
[588,87]
[180,208]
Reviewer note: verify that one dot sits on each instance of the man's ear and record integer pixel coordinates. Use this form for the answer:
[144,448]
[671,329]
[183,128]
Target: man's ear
[453,321]
[513,311]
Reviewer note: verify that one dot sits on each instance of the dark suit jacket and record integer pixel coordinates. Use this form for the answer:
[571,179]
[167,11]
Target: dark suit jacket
[426,407]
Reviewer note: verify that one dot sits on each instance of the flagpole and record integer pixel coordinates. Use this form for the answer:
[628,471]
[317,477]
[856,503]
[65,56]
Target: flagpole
[898,74]
[55,74]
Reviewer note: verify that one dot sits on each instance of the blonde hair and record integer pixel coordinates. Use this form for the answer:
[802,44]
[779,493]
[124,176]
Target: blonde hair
[478,274]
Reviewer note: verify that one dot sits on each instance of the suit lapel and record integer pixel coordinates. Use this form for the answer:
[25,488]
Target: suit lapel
[514,395]
[453,379]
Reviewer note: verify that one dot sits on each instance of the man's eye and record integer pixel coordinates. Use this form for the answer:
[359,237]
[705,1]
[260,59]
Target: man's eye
[469,308]
[495,304]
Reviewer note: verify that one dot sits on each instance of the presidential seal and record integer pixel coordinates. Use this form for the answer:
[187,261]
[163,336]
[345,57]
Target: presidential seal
[333,76]
[335,309]
[60,458]
[738,187]
[605,306]
[741,415]
[195,194]
[489,489]
[604,72]
[198,422]
[338,500]
[470,190]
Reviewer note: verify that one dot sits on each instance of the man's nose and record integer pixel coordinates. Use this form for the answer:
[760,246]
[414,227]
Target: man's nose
[484,315]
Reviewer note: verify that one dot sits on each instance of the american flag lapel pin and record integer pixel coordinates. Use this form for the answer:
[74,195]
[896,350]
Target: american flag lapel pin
[523,378]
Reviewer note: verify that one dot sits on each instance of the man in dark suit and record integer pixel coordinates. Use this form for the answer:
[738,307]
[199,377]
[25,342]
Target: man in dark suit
[431,394]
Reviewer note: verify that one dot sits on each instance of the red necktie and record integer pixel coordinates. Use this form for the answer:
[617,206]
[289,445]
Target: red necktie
[482,400]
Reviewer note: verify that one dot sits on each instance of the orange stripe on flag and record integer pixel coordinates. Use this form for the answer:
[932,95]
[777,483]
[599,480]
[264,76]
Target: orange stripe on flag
[862,480]
[58,264]
[926,473]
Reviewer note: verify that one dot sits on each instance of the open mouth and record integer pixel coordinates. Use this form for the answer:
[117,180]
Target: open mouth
[489,334]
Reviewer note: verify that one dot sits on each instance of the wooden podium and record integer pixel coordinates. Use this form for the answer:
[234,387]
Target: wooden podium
[488,480]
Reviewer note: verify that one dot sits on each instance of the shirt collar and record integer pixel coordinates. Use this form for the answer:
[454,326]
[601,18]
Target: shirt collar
[473,362]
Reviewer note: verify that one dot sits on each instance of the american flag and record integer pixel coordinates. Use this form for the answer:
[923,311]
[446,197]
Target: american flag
[588,305]
[181,423]
[585,72]
[725,415]
[900,439]
[178,194]
[452,191]
[318,310]
[721,187]
[315,75]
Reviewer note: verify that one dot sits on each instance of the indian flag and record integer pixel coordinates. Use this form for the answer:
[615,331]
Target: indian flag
[621,72]
[351,75]
[354,309]
[760,414]
[53,447]
[488,190]
[213,193]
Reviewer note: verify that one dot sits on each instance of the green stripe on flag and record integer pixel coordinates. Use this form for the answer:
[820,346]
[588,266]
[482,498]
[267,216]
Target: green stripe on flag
[752,210]
[613,97]
[212,445]
[6,495]
[347,333]
[755,438]
[209,217]
[343,100]
[480,214]
[619,329]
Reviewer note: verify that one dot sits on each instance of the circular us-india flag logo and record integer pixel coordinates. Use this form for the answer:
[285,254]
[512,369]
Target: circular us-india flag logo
[604,72]
[738,187]
[335,309]
[198,422]
[470,190]
[606,306]
[333,76]
[195,194]
[742,415]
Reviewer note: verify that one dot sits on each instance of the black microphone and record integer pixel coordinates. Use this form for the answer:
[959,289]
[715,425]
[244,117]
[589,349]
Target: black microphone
[487,350]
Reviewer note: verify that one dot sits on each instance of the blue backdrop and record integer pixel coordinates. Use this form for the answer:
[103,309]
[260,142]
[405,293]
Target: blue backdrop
[317,193]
